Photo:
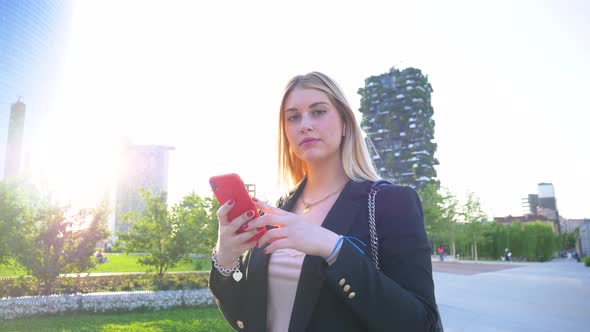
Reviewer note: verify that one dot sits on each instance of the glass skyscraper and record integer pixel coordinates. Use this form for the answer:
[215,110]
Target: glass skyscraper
[33,35]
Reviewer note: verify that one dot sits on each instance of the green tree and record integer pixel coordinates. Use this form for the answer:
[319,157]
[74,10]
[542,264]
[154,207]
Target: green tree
[474,216]
[516,239]
[450,212]
[14,215]
[568,240]
[82,244]
[162,234]
[200,215]
[60,240]
[540,241]
[440,211]
[432,208]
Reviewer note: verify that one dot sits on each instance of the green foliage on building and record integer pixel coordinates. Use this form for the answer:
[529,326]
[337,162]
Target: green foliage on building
[397,117]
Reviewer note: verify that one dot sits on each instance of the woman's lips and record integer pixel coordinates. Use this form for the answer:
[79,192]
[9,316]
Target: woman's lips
[308,141]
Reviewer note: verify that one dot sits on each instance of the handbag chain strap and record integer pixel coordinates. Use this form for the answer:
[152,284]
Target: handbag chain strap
[372,227]
[375,242]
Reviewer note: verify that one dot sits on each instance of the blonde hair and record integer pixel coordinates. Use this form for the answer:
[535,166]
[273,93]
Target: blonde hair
[353,150]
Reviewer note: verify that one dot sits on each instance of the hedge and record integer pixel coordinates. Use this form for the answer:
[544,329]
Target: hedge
[115,282]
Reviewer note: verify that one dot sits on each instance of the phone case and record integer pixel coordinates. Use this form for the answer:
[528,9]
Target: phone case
[231,186]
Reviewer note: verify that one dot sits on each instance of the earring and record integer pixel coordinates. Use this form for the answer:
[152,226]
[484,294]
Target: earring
[343,131]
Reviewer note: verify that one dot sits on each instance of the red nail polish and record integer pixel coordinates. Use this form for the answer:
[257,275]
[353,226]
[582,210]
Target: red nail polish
[254,199]
[250,213]
[245,226]
[264,251]
[258,229]
[257,245]
[231,202]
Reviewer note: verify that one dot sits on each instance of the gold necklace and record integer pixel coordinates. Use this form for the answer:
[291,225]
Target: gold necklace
[307,206]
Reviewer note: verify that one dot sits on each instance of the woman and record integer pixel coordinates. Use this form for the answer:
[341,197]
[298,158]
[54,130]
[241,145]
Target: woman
[310,271]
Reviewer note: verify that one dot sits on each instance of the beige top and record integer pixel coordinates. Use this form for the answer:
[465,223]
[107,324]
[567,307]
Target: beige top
[284,269]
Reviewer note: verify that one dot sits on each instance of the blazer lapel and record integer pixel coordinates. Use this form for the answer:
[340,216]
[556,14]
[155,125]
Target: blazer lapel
[340,219]
[257,297]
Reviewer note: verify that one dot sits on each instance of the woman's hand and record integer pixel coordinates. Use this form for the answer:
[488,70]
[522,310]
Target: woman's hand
[293,232]
[230,244]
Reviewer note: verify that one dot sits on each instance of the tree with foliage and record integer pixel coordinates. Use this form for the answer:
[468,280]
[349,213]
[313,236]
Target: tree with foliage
[60,240]
[473,215]
[82,244]
[530,241]
[14,215]
[440,210]
[160,233]
[450,212]
[431,207]
[200,215]
[569,240]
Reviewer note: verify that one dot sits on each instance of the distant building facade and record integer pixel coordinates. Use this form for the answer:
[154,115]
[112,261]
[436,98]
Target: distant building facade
[523,219]
[544,204]
[570,225]
[141,166]
[397,118]
[527,218]
[547,202]
[532,204]
[14,141]
[584,239]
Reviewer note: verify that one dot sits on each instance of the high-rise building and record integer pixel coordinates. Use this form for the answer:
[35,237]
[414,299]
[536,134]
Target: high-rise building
[548,204]
[547,196]
[33,35]
[14,142]
[544,204]
[397,118]
[532,204]
[141,167]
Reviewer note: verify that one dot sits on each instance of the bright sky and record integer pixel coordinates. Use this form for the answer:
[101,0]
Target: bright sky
[206,77]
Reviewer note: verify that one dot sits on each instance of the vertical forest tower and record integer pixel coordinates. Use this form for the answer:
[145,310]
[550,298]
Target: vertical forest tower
[397,118]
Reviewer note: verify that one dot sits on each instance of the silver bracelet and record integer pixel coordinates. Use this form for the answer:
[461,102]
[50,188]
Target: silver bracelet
[234,271]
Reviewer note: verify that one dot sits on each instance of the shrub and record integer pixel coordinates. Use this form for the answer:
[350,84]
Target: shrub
[587,261]
[24,286]
[203,264]
[15,287]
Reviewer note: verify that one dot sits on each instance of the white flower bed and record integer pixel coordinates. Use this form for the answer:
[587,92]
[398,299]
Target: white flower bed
[17,307]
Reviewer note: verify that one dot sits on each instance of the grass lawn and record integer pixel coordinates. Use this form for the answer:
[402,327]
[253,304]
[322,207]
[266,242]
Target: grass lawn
[181,319]
[10,270]
[119,263]
[128,263]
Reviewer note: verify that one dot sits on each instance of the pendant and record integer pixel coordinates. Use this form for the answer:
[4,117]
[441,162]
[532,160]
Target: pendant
[237,275]
[306,207]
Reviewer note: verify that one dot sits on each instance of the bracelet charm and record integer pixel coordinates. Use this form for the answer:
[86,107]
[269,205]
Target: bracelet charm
[234,271]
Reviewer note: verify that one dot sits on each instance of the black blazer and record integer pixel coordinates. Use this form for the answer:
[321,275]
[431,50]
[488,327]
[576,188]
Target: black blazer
[399,297]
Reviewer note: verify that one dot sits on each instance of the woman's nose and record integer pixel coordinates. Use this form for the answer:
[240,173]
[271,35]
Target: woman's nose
[305,124]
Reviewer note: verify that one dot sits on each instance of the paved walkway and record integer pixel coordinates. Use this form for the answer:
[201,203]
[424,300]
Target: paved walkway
[551,297]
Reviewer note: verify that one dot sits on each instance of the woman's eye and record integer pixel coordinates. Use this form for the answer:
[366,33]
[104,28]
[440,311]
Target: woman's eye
[292,117]
[318,112]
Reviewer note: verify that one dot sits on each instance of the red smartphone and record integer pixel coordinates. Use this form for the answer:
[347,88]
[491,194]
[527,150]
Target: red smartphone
[231,186]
